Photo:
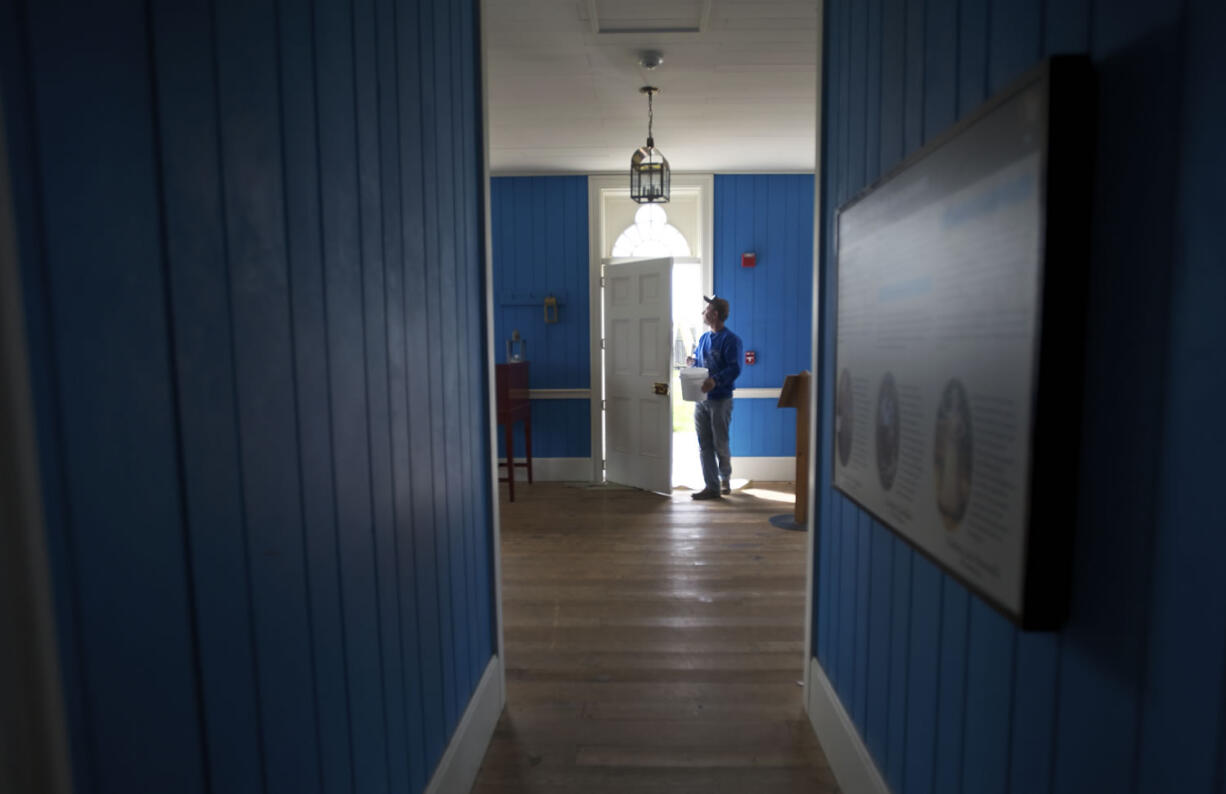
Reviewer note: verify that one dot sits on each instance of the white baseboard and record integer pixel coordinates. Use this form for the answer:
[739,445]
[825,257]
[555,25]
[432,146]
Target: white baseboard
[757,394]
[554,470]
[848,756]
[579,469]
[764,469]
[457,770]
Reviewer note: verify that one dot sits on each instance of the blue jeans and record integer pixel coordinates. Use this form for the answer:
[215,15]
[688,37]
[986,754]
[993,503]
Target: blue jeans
[711,420]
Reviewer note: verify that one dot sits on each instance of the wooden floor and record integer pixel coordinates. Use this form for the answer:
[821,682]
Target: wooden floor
[652,645]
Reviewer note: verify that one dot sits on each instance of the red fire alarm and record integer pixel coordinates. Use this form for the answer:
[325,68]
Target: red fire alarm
[749,259]
[751,356]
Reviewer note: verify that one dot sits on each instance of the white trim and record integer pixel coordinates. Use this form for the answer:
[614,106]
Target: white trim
[705,182]
[34,729]
[490,388]
[764,469]
[559,394]
[849,758]
[756,394]
[554,470]
[815,419]
[595,223]
[457,769]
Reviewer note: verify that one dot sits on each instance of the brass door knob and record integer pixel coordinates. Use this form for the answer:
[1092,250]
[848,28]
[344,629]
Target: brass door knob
[661,388]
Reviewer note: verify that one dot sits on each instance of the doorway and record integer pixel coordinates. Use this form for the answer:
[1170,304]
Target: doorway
[621,231]
[687,328]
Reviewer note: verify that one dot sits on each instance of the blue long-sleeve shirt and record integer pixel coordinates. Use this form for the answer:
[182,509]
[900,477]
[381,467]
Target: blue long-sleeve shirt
[720,352]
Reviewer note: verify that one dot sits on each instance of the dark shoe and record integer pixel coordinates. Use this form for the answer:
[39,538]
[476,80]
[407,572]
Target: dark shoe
[706,493]
[725,487]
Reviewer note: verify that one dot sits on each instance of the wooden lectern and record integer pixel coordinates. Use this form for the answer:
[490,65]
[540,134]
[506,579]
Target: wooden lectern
[511,390]
[795,394]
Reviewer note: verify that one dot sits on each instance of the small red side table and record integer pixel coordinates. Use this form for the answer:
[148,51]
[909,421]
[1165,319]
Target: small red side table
[511,387]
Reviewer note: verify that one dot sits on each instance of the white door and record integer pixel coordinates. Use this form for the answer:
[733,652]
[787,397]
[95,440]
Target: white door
[638,329]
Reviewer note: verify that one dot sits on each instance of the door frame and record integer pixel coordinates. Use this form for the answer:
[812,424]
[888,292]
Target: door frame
[599,185]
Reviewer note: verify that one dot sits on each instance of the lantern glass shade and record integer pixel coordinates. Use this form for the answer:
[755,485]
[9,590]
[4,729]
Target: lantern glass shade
[649,177]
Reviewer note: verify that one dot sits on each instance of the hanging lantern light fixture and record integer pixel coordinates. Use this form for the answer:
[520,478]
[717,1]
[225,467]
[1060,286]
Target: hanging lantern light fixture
[649,177]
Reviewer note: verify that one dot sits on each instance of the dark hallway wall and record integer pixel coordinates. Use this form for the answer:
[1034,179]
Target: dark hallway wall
[250,239]
[1129,697]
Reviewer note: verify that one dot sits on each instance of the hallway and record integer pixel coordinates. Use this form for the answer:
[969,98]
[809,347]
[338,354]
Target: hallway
[652,645]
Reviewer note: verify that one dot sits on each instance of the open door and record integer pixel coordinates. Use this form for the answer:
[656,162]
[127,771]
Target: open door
[638,329]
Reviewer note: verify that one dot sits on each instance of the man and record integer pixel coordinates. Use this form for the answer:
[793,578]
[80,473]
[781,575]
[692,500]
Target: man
[719,350]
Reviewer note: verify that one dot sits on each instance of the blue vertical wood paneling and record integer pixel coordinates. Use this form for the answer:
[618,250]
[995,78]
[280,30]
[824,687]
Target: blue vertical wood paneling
[862,527]
[90,70]
[857,105]
[445,218]
[540,244]
[312,373]
[423,578]
[1066,26]
[825,609]
[844,680]
[1184,699]
[940,65]
[200,301]
[255,232]
[899,653]
[951,688]
[771,215]
[21,140]
[880,600]
[874,64]
[989,703]
[396,243]
[466,304]
[469,339]
[1138,54]
[261,570]
[972,54]
[434,341]
[482,290]
[923,676]
[893,86]
[371,171]
[1014,40]
[988,708]
[914,86]
[1034,710]
[342,236]
[832,596]
[403,683]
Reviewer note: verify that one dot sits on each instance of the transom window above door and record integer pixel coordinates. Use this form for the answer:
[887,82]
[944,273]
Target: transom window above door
[651,235]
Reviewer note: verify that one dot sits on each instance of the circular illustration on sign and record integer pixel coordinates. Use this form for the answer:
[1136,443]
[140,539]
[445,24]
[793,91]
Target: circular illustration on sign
[887,431]
[951,455]
[843,415]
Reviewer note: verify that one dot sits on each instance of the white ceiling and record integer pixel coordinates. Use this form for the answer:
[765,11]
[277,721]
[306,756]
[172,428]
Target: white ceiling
[739,83]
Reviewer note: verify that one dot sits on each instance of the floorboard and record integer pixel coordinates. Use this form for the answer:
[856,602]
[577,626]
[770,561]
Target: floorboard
[653,644]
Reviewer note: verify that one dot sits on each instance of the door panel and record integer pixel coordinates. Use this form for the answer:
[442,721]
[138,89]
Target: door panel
[638,342]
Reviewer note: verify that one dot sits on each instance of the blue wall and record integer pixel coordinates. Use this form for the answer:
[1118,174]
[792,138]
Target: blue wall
[540,242]
[1128,697]
[540,228]
[772,303]
[253,305]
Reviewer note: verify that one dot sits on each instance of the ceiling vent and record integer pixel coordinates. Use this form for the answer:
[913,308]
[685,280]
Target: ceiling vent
[641,17]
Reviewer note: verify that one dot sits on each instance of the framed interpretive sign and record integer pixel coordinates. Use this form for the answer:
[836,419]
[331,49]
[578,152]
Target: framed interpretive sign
[961,286]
